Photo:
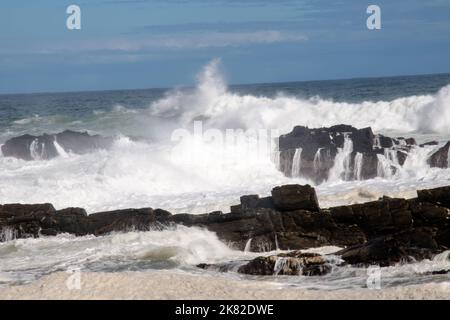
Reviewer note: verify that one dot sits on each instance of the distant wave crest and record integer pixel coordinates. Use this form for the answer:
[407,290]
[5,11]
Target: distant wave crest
[222,108]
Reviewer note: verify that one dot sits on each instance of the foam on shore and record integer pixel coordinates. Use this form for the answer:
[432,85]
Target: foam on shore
[177,285]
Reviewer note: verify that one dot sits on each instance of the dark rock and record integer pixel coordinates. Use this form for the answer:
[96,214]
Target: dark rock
[401,156]
[17,210]
[164,214]
[369,169]
[415,244]
[82,142]
[221,267]
[430,143]
[443,236]
[318,149]
[439,159]
[269,229]
[385,231]
[30,220]
[236,209]
[49,232]
[439,196]
[444,271]
[69,220]
[24,220]
[28,147]
[376,218]
[411,141]
[428,214]
[122,220]
[249,202]
[295,197]
[292,263]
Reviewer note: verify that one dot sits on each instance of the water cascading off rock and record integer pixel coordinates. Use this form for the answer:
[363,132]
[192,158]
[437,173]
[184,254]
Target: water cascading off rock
[346,153]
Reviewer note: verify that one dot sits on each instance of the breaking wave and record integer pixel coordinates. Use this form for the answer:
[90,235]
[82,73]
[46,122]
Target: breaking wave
[223,109]
[168,248]
[198,175]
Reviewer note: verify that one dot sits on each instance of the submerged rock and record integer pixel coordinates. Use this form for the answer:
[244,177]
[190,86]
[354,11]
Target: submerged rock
[429,143]
[443,271]
[292,263]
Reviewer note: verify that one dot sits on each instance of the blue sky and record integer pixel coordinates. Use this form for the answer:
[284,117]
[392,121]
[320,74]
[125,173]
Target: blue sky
[126,44]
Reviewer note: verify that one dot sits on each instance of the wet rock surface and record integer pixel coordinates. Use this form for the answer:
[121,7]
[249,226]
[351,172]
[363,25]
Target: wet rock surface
[293,263]
[404,247]
[383,232]
[440,158]
[318,154]
[347,153]
[46,146]
[295,197]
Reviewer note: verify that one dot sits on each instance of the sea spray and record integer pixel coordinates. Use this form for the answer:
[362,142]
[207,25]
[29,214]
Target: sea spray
[37,150]
[180,247]
[358,166]
[248,245]
[448,157]
[297,163]
[212,101]
[442,257]
[200,175]
[384,167]
[59,149]
[341,168]
[7,234]
[317,160]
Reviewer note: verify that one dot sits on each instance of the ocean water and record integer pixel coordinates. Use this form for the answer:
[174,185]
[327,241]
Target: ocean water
[159,161]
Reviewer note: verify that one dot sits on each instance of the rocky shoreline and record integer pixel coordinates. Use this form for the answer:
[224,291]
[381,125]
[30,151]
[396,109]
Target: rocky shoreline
[318,154]
[382,232]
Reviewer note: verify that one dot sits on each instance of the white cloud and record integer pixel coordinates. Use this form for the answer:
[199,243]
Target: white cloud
[198,40]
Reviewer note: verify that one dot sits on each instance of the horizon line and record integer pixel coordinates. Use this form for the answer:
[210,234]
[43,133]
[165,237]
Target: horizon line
[229,85]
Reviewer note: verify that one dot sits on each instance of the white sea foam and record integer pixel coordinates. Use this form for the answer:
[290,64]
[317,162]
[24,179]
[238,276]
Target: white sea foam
[341,168]
[199,175]
[182,286]
[170,248]
[60,149]
[182,248]
[29,120]
[224,109]
[297,163]
[358,166]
